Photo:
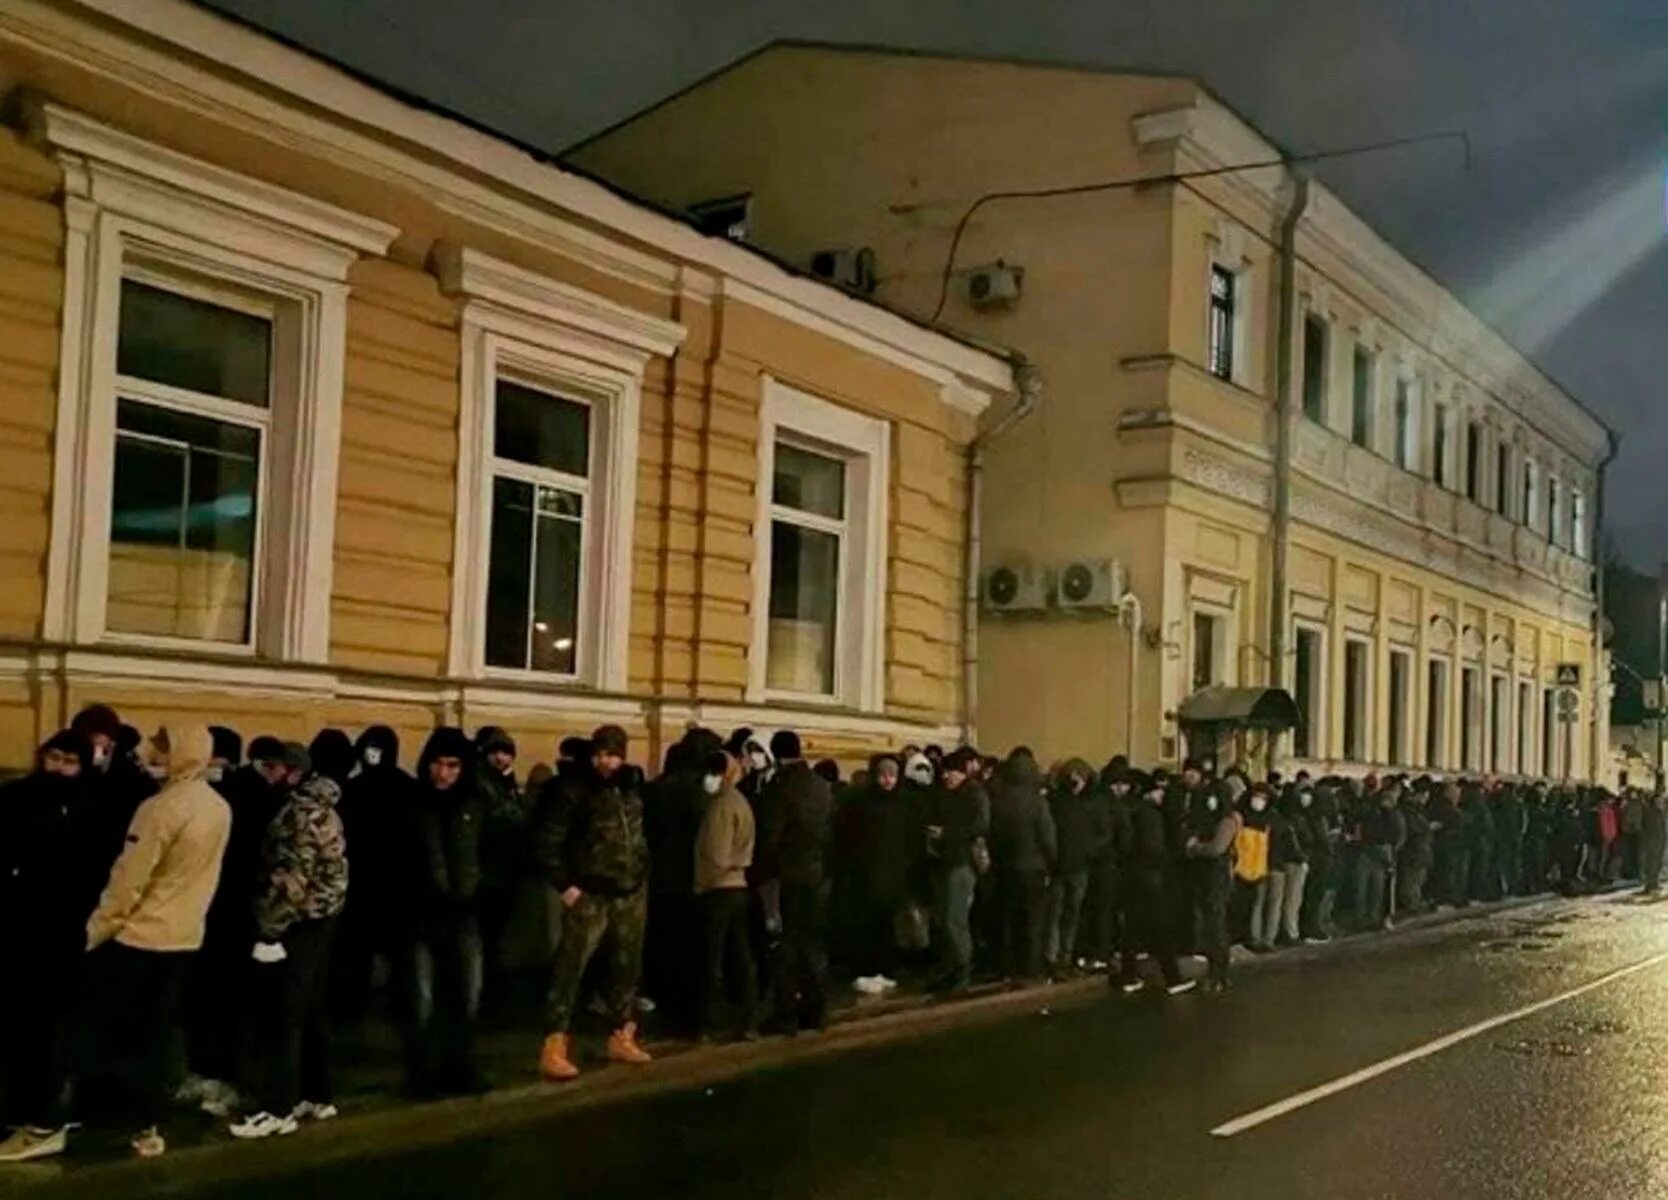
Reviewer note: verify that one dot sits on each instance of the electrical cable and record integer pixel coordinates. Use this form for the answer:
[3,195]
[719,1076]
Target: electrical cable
[1110,185]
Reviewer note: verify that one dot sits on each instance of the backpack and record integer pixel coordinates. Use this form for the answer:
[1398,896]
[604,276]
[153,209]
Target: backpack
[1251,853]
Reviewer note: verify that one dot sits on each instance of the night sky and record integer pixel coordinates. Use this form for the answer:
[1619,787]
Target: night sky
[1555,233]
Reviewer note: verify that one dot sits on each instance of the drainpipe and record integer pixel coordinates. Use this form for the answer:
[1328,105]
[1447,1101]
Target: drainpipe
[1283,440]
[1028,380]
[1595,547]
[1129,608]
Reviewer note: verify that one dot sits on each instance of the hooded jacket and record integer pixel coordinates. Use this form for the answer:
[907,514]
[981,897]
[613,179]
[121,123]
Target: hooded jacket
[796,827]
[304,861]
[379,826]
[448,828]
[508,816]
[1022,833]
[162,884]
[889,829]
[50,873]
[254,803]
[1082,820]
[724,844]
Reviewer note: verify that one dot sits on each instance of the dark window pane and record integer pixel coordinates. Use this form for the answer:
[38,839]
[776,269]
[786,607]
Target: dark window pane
[1221,349]
[182,525]
[542,430]
[1361,415]
[509,573]
[1303,691]
[556,586]
[812,483]
[804,587]
[1314,369]
[173,339]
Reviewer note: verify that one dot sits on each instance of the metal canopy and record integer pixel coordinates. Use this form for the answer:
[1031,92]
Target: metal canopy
[1241,707]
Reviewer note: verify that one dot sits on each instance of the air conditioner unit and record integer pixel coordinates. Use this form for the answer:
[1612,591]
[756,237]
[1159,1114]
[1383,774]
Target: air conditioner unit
[1015,590]
[853,270]
[1091,585]
[996,287]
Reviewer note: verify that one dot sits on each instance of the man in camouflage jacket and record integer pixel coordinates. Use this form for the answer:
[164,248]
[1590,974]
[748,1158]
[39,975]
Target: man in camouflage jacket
[590,844]
[301,891]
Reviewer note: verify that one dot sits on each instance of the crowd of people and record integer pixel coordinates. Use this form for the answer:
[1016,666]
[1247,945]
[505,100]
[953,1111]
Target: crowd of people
[183,906]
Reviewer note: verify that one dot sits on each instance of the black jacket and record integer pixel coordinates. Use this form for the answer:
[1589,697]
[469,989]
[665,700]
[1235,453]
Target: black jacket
[379,823]
[1384,827]
[1022,833]
[507,820]
[231,915]
[1150,849]
[886,831]
[1288,838]
[963,816]
[52,863]
[1417,850]
[1082,826]
[795,825]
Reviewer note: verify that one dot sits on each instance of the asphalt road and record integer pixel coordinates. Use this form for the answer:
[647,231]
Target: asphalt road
[1118,1097]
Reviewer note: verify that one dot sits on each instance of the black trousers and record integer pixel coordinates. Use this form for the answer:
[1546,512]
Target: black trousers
[133,1006]
[729,956]
[1022,907]
[215,1010]
[1149,925]
[292,997]
[801,967]
[37,1014]
[1212,887]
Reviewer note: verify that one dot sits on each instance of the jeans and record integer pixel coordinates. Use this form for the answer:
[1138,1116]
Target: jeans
[729,954]
[953,914]
[616,925]
[1410,886]
[1373,872]
[135,999]
[440,981]
[1320,898]
[1065,912]
[1291,908]
[291,998]
[1022,900]
[1267,904]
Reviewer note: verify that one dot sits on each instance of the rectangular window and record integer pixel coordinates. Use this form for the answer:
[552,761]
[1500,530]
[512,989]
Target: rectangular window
[821,579]
[1499,724]
[1554,512]
[1306,691]
[1502,478]
[1404,426]
[193,413]
[807,538]
[1314,368]
[1361,398]
[1525,714]
[1401,670]
[1223,284]
[1474,462]
[540,469]
[1357,700]
[1436,714]
[1207,648]
[1578,523]
[1439,447]
[1531,493]
[1471,720]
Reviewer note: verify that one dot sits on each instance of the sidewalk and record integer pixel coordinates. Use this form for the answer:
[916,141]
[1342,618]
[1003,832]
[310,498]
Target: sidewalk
[377,1120]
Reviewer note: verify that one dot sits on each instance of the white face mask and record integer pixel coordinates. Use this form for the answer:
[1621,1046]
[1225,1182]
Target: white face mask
[712,784]
[1258,804]
[1305,799]
[758,760]
[373,756]
[101,757]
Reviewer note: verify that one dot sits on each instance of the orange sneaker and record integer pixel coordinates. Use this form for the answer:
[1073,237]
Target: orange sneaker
[623,1046]
[554,1062]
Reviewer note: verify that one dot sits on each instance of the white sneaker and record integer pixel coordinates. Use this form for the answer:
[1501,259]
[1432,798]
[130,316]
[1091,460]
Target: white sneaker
[887,984]
[1185,986]
[219,1098]
[1133,986]
[309,1111]
[264,1125]
[28,1143]
[192,1089]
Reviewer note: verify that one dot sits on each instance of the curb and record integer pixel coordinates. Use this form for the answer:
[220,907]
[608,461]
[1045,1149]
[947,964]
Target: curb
[404,1127]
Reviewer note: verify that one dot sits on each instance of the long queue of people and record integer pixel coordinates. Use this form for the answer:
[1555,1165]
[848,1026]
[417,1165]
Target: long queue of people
[177,898]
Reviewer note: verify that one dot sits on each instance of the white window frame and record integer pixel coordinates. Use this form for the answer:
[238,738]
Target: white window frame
[547,335]
[864,443]
[1578,522]
[135,208]
[1367,714]
[1532,470]
[1224,643]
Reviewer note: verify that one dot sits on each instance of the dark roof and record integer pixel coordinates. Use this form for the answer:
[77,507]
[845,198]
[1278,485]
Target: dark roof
[1242,707]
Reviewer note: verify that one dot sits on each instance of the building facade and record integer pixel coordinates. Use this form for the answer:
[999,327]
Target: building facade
[1439,594]
[323,409]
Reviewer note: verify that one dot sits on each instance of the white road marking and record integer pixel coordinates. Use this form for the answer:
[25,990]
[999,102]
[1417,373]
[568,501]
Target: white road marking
[1292,1103]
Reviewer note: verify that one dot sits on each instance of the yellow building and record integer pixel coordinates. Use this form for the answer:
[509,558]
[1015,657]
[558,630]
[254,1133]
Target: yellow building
[1438,603]
[318,408]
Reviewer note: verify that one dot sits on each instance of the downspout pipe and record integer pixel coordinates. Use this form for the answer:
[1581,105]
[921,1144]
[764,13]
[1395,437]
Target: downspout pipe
[1028,383]
[1600,748]
[1283,440]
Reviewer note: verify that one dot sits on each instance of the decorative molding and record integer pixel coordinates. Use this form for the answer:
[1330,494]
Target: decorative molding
[469,273]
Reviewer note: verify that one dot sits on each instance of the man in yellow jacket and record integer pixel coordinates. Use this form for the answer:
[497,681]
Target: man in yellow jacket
[150,918]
